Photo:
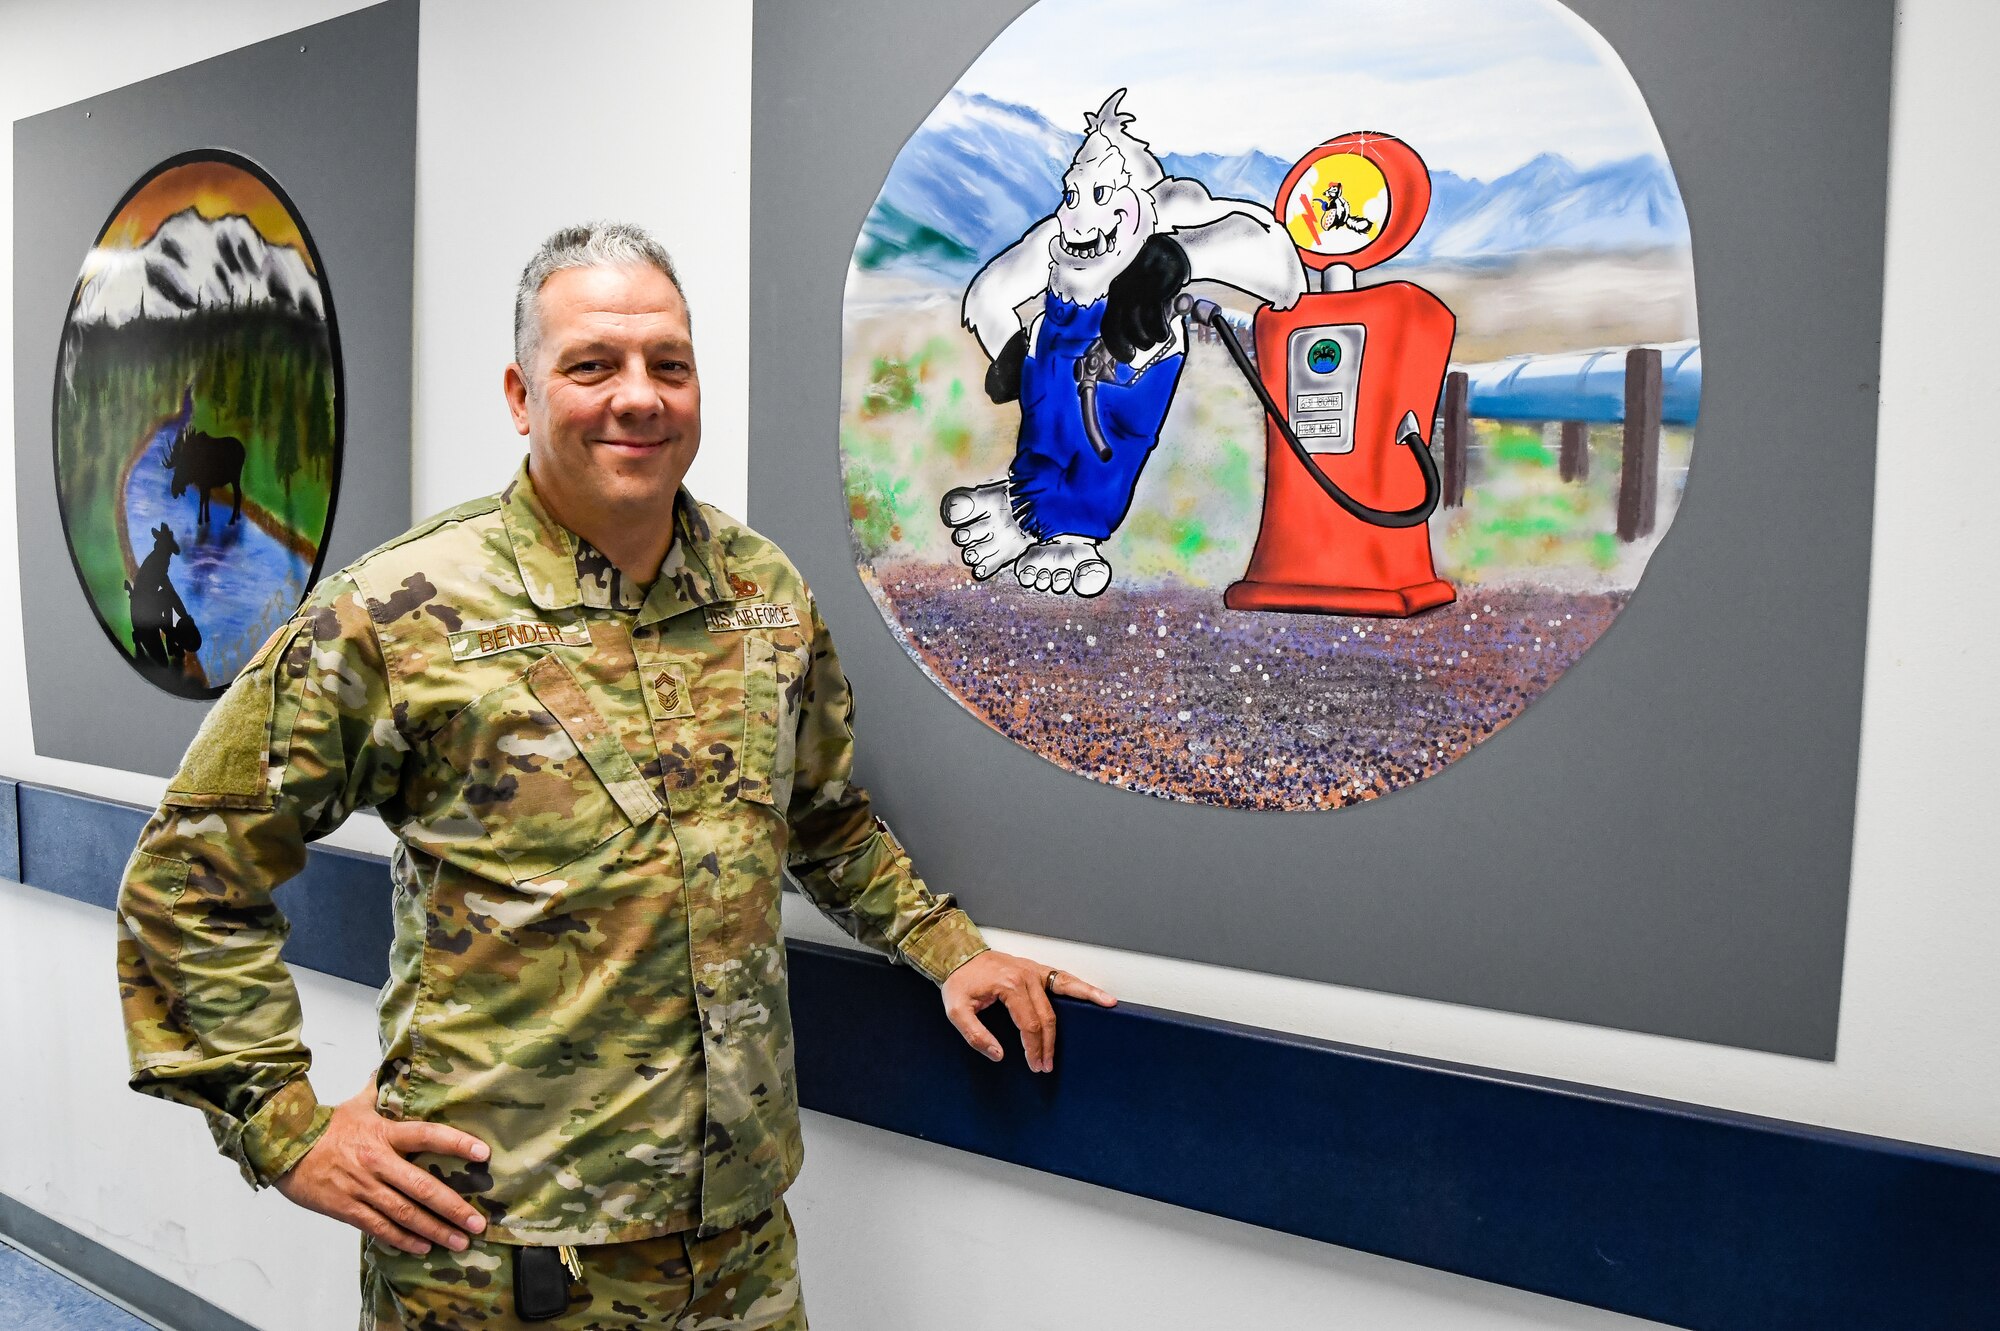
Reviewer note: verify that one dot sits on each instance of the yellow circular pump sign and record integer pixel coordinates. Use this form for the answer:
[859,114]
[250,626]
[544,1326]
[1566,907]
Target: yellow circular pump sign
[1338,206]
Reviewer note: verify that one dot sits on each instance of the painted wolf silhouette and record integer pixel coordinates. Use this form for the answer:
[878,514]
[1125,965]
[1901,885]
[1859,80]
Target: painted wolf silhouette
[162,631]
[206,462]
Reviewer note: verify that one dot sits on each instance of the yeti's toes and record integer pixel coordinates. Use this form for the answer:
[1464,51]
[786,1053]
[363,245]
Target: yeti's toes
[1062,565]
[984,564]
[983,526]
[989,547]
[969,502]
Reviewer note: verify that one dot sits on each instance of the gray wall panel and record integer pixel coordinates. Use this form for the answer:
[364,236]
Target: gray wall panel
[1662,842]
[335,124]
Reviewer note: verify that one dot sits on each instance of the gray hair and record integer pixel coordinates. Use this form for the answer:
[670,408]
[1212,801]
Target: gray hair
[588,245]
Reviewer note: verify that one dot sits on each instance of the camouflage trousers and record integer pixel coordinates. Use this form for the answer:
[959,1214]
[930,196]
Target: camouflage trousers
[743,1279]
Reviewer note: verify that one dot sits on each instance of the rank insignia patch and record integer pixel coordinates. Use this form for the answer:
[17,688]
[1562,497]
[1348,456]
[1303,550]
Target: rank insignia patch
[670,693]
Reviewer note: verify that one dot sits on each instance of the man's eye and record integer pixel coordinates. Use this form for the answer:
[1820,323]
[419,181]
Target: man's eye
[1069,196]
[1100,193]
[587,367]
[673,367]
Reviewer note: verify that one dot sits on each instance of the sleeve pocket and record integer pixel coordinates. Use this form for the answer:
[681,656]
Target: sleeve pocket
[773,676]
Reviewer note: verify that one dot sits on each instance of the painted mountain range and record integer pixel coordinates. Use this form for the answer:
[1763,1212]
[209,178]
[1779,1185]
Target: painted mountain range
[980,172]
[193,263]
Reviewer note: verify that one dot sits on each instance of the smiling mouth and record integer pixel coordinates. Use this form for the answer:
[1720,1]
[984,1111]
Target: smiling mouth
[1093,246]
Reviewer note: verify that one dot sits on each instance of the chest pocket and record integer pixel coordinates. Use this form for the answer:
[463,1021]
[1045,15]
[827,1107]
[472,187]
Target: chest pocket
[774,674]
[544,773]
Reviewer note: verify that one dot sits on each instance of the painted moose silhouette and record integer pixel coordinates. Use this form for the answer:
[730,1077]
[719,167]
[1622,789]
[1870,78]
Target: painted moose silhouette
[162,631]
[207,462]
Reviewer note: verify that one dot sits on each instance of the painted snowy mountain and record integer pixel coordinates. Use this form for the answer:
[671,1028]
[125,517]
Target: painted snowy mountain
[980,172]
[190,264]
[1550,204]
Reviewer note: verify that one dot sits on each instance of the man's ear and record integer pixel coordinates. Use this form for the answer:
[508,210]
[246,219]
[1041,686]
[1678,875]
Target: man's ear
[515,385]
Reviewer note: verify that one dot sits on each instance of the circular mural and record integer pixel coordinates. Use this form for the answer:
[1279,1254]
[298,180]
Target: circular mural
[1250,410]
[197,419]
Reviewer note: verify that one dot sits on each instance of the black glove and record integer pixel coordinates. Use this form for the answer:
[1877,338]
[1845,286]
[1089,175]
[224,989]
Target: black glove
[1141,298]
[1003,376]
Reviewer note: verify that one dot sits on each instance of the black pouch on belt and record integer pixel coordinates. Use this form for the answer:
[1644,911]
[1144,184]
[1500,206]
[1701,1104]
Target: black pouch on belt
[541,1285]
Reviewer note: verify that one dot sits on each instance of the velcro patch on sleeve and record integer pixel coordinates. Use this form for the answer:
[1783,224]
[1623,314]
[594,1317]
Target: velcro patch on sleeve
[474,643]
[755,615]
[226,765]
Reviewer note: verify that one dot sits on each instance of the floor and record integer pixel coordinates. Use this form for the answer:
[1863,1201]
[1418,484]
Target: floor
[34,1298]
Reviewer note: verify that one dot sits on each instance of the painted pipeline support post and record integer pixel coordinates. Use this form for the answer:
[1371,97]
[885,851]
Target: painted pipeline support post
[1639,477]
[1575,453]
[1457,436]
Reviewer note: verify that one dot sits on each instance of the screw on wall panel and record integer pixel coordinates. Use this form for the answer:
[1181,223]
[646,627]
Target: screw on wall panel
[302,50]
[86,115]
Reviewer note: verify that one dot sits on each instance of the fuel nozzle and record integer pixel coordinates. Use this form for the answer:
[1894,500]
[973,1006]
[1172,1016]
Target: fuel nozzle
[1096,366]
[1204,311]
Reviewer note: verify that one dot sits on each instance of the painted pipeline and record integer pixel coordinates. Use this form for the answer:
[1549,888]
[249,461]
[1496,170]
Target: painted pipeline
[1580,386]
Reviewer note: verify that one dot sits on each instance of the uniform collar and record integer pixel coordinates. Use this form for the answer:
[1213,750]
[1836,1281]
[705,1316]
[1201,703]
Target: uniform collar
[554,561]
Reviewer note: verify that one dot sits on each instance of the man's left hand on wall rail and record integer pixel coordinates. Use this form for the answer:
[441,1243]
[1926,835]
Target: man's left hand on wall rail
[1025,987]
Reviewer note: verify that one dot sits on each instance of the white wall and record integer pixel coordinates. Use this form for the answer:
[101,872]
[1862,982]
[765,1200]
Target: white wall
[999,1246]
[517,135]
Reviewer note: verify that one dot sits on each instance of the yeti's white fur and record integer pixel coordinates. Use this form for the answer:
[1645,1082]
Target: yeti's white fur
[1116,195]
[1234,242]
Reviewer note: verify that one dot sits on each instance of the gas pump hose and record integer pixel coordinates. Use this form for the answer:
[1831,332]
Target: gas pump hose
[1097,366]
[1408,432]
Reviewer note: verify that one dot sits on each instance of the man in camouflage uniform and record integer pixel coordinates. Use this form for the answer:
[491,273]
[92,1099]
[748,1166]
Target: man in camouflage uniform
[597,780]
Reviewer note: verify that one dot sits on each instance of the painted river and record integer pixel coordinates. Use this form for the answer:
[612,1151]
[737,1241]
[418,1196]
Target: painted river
[238,582]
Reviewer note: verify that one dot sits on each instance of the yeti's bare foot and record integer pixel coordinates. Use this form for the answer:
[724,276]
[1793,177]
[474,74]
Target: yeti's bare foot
[981,518]
[1064,564]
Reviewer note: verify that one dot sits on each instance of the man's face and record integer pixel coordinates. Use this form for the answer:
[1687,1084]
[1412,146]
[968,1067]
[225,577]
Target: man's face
[612,405]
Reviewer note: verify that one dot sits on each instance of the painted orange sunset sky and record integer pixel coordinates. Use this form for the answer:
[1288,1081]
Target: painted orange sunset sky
[213,189]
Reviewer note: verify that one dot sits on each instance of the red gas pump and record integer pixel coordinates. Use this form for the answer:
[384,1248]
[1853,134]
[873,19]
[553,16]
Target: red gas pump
[1350,381]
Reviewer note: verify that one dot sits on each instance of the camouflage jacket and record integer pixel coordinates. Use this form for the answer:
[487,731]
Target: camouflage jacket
[595,789]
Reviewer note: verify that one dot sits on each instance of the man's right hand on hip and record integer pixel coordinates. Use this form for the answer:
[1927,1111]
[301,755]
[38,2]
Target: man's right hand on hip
[357,1173]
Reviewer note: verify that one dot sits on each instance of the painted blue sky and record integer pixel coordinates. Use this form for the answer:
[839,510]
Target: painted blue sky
[1478,86]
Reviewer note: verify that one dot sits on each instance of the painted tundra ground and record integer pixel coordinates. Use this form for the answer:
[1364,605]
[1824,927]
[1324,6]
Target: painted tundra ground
[1165,691]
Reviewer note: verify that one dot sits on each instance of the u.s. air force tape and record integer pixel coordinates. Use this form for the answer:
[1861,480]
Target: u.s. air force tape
[474,643]
[758,615]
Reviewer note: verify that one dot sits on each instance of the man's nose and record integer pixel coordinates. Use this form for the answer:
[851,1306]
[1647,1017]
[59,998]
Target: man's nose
[634,393]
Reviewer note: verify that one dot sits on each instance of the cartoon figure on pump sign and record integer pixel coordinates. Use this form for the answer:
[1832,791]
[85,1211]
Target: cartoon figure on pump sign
[1335,214]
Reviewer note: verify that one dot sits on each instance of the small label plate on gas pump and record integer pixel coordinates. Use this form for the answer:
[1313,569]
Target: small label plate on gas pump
[1323,368]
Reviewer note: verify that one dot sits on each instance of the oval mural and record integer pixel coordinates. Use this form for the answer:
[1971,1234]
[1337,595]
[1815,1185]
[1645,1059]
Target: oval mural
[197,419]
[1260,411]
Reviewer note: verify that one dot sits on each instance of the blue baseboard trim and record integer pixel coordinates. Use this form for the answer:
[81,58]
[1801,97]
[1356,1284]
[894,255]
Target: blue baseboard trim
[1677,1213]
[10,831]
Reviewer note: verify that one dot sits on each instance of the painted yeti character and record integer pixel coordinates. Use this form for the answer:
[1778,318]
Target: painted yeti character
[1107,265]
